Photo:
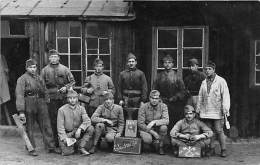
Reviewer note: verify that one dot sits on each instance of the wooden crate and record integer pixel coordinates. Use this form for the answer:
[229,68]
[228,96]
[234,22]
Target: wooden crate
[189,151]
[127,145]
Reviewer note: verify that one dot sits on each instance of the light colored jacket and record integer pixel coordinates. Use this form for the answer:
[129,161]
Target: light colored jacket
[212,105]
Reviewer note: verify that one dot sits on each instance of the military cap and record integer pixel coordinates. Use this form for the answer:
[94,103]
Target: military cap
[154,93]
[167,58]
[131,56]
[193,62]
[72,93]
[53,52]
[211,64]
[30,62]
[98,61]
[188,108]
[108,95]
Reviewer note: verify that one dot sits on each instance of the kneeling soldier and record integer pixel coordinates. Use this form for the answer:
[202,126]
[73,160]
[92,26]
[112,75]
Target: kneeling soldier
[109,120]
[153,119]
[73,122]
[31,100]
[190,132]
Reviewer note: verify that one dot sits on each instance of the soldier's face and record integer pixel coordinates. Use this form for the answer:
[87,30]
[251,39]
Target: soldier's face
[109,102]
[194,67]
[73,100]
[54,59]
[209,71]
[32,69]
[189,115]
[168,64]
[99,68]
[154,100]
[131,63]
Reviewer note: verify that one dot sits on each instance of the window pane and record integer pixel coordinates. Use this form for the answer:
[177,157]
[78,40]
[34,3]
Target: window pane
[163,53]
[89,73]
[17,27]
[62,29]
[106,60]
[75,30]
[257,47]
[62,45]
[77,77]
[92,29]
[257,62]
[107,73]
[104,46]
[192,53]
[75,45]
[167,38]
[64,60]
[75,62]
[92,43]
[103,29]
[92,51]
[90,61]
[192,37]
[257,74]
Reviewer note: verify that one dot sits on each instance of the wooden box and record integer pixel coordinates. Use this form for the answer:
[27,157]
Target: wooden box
[131,128]
[189,151]
[127,145]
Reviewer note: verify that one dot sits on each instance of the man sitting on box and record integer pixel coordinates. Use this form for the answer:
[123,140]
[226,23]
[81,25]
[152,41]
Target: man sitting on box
[108,120]
[190,132]
[153,119]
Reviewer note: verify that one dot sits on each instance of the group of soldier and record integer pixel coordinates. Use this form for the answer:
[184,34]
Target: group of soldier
[49,99]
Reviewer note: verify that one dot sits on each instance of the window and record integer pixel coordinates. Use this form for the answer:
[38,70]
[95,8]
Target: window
[68,41]
[17,27]
[182,43]
[98,45]
[256,65]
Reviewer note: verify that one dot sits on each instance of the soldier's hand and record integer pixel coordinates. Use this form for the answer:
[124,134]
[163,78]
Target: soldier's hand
[90,90]
[121,102]
[63,89]
[118,134]
[150,125]
[183,136]
[226,112]
[109,122]
[195,137]
[78,132]
[22,118]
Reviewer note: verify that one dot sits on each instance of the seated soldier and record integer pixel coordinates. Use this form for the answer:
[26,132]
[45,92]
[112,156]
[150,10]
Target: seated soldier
[73,122]
[153,119]
[190,132]
[108,119]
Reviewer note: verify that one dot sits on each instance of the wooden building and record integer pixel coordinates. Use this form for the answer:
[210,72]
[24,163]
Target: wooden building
[227,33]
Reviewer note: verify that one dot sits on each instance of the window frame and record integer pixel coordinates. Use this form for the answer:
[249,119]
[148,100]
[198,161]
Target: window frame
[253,70]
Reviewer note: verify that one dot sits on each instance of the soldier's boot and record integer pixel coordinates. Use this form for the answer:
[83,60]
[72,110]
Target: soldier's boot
[157,146]
[33,153]
[55,150]
[161,150]
[223,153]
[175,151]
[83,151]
[93,149]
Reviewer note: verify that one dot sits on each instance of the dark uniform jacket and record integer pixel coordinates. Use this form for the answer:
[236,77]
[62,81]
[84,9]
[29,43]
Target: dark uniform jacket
[29,85]
[132,79]
[56,77]
[170,85]
[193,82]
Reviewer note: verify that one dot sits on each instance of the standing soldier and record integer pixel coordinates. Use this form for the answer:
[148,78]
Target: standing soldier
[73,122]
[58,80]
[132,85]
[193,81]
[97,85]
[213,105]
[172,90]
[108,120]
[153,119]
[31,100]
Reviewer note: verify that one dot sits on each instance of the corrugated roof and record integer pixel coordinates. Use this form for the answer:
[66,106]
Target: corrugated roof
[61,8]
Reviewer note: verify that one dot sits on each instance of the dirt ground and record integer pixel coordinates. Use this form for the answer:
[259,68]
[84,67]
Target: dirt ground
[12,152]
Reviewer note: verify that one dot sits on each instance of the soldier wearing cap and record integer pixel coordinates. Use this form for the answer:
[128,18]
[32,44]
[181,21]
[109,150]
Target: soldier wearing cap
[108,120]
[172,90]
[153,119]
[58,79]
[190,131]
[31,98]
[132,85]
[73,122]
[213,104]
[193,81]
[96,85]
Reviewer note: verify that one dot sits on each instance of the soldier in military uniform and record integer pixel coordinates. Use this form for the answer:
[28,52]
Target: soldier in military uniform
[31,98]
[73,122]
[58,80]
[153,119]
[193,81]
[96,85]
[108,120]
[132,85]
[172,90]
